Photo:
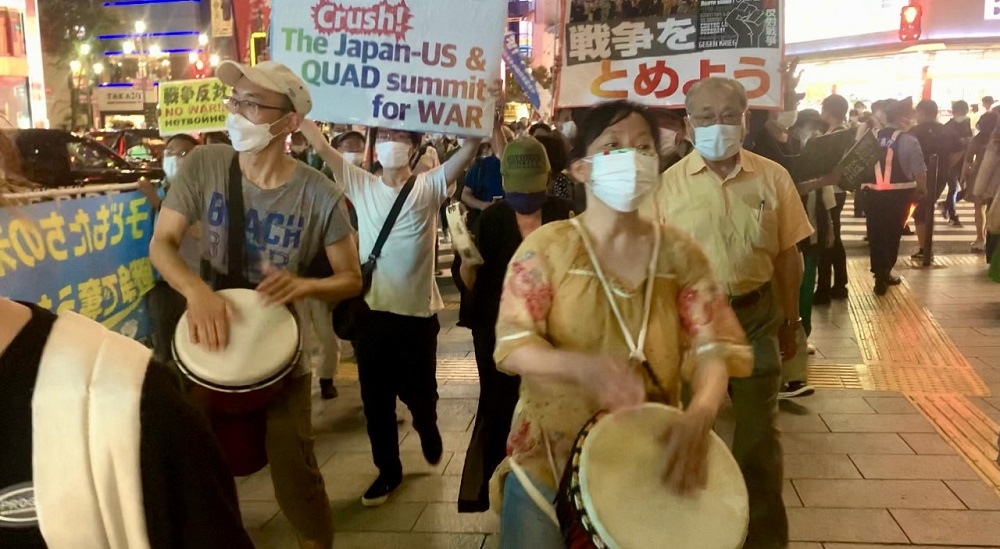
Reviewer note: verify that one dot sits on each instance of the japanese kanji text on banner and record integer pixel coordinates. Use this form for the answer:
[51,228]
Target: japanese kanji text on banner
[88,255]
[192,106]
[417,65]
[653,51]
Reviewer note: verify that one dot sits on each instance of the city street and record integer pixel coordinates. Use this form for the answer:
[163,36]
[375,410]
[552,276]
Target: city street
[897,447]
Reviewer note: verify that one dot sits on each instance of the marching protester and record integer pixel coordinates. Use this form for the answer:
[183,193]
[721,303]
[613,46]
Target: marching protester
[397,346]
[900,180]
[145,472]
[746,214]
[268,103]
[578,300]
[498,232]
[833,259]
[483,183]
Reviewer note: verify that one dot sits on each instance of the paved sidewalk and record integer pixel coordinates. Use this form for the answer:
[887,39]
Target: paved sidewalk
[903,457]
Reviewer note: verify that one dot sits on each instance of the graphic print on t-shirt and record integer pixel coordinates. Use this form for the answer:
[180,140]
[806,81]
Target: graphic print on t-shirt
[270,237]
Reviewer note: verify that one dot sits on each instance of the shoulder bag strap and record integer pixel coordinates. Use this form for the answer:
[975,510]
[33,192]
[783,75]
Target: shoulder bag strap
[236,268]
[390,221]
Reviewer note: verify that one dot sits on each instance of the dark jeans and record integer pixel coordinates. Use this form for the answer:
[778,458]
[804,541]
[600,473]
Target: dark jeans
[885,214]
[835,258]
[498,394]
[166,306]
[397,356]
[756,446]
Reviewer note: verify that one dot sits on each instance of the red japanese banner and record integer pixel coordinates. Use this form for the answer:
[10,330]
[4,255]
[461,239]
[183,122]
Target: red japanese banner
[653,51]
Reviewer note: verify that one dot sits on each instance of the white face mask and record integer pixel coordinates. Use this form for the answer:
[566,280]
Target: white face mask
[787,119]
[172,165]
[354,158]
[568,129]
[621,179]
[718,142]
[392,154]
[249,137]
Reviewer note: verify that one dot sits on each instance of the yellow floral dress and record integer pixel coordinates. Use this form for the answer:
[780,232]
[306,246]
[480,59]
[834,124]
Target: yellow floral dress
[553,297]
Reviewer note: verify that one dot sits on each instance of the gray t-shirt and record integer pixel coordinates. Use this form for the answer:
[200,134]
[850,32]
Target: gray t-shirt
[286,226]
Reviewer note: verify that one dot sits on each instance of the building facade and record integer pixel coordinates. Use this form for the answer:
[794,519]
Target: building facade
[22,80]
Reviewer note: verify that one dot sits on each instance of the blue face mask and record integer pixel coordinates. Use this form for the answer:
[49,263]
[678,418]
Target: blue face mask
[525,203]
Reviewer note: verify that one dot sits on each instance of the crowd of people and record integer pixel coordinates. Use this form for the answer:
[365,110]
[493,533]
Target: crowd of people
[626,254]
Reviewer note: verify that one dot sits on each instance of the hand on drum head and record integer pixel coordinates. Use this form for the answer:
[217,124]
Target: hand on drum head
[281,287]
[615,384]
[687,450]
[209,317]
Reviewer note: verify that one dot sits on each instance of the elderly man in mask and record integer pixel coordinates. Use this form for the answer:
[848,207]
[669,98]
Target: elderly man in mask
[746,213]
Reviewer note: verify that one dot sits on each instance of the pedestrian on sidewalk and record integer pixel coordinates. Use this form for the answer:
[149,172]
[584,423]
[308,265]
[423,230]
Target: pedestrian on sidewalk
[498,232]
[578,299]
[833,258]
[397,346]
[900,182]
[935,139]
[745,212]
[960,125]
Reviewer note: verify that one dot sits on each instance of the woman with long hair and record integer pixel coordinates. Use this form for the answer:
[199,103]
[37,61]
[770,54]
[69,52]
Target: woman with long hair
[579,299]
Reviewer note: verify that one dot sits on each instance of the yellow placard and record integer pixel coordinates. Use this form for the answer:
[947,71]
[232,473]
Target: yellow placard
[192,106]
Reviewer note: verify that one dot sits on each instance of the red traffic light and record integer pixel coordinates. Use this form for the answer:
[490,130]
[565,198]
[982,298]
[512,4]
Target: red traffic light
[909,22]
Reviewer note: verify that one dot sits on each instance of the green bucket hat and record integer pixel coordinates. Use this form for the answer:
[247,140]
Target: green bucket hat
[525,166]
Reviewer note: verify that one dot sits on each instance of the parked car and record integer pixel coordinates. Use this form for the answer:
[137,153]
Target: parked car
[57,158]
[139,147]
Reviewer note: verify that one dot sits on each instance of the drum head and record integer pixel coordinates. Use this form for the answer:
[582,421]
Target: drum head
[621,479]
[263,344]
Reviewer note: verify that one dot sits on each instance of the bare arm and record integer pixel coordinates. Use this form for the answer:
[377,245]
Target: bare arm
[470,200]
[499,138]
[330,155]
[346,281]
[788,275]
[165,255]
[468,275]
[459,161]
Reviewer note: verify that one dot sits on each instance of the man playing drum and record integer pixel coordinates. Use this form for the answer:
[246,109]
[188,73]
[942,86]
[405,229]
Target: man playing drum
[291,215]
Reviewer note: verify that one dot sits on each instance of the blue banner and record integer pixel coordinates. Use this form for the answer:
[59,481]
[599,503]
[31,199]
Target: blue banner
[88,255]
[512,56]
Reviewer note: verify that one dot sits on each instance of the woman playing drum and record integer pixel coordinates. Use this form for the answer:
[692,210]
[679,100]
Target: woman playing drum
[573,320]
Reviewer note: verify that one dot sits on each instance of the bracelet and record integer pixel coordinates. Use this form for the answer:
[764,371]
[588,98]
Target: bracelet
[795,322]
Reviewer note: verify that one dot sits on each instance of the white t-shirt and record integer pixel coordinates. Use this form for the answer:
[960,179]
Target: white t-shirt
[403,282]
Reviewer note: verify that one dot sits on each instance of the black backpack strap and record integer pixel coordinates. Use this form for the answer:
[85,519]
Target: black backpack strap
[391,219]
[236,267]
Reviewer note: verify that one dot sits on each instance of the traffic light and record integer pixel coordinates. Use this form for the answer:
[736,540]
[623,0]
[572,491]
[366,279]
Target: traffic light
[909,22]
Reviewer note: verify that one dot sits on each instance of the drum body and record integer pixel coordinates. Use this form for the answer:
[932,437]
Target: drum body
[613,494]
[235,385]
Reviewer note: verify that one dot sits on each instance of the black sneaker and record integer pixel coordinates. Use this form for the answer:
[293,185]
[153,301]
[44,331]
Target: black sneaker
[327,390]
[821,298]
[838,292]
[432,445]
[795,389]
[919,254]
[380,490]
[954,222]
[881,287]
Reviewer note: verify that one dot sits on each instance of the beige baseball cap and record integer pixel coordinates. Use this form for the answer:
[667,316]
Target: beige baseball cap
[272,76]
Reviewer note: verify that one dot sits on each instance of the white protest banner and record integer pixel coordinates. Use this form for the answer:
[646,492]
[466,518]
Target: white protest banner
[653,51]
[424,65]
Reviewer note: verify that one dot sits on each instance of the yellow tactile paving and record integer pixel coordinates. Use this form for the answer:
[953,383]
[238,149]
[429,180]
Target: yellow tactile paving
[448,369]
[903,348]
[834,376]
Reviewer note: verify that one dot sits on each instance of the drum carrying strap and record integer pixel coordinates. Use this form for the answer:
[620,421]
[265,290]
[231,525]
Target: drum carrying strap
[635,345]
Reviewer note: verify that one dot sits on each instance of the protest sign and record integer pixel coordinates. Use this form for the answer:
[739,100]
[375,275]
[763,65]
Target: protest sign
[422,66]
[192,106]
[653,51]
[515,64]
[87,255]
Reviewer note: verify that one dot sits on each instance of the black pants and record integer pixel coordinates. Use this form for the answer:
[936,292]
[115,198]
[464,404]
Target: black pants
[166,306]
[498,394]
[397,356]
[835,258]
[885,214]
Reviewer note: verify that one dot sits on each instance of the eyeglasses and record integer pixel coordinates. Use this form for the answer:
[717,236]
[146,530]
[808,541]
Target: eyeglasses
[249,108]
[178,154]
[728,119]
